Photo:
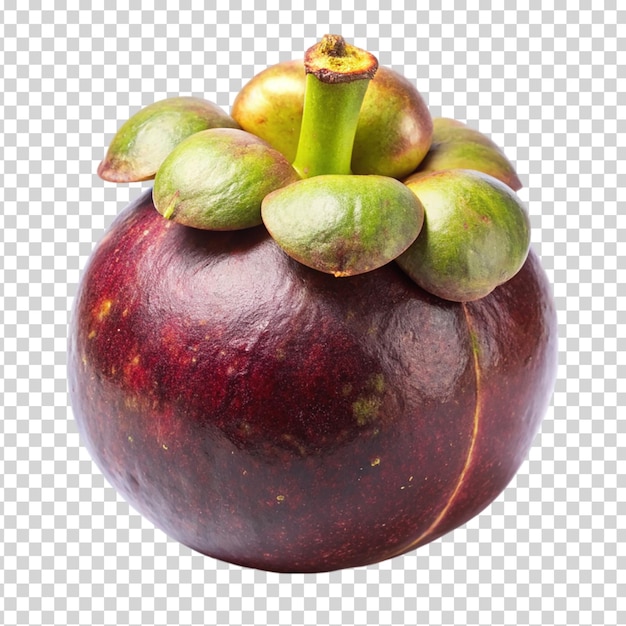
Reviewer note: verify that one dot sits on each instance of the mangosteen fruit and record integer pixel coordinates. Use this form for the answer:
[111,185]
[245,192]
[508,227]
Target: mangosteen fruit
[258,366]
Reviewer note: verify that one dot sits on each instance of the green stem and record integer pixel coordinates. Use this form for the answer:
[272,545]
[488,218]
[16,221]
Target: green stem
[337,78]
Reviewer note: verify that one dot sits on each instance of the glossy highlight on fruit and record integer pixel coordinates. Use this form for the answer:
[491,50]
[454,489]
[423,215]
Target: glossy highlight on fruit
[276,417]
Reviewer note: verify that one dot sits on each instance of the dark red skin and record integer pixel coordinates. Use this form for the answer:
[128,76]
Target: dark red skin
[276,417]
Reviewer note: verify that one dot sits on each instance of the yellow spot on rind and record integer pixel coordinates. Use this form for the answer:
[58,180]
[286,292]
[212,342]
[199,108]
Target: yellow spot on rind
[365,410]
[104,310]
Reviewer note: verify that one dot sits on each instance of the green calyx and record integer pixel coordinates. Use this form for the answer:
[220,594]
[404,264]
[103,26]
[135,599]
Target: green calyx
[316,151]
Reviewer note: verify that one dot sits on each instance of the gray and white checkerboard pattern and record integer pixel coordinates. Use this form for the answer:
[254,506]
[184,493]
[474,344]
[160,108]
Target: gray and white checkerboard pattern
[542,78]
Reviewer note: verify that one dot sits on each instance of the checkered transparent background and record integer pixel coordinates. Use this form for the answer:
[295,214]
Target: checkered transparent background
[541,77]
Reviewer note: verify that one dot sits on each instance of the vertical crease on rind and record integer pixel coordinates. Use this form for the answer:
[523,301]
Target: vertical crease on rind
[470,453]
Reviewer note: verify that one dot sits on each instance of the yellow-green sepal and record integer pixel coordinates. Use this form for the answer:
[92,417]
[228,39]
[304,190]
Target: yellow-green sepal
[476,235]
[142,143]
[217,178]
[343,224]
[457,146]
